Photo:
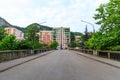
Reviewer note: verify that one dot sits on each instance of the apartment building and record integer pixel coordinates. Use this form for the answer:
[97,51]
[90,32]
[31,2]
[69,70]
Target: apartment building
[45,34]
[62,36]
[46,37]
[13,31]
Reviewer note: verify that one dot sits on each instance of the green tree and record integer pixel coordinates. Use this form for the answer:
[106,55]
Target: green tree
[38,45]
[2,33]
[31,34]
[8,43]
[53,45]
[23,44]
[73,44]
[86,36]
[108,17]
[72,36]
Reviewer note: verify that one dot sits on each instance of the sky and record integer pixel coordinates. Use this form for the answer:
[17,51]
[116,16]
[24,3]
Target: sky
[55,13]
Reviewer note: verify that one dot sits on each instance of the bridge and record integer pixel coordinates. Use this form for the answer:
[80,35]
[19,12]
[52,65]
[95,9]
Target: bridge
[60,65]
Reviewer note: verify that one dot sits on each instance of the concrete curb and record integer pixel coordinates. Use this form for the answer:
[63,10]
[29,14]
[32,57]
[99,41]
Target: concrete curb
[10,67]
[110,64]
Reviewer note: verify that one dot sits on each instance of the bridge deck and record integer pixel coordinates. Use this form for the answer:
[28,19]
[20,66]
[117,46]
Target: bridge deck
[62,65]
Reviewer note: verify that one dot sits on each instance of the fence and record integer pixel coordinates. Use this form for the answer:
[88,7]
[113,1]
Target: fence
[14,54]
[106,54]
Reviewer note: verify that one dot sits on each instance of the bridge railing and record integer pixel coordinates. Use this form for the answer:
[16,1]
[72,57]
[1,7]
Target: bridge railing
[105,54]
[14,54]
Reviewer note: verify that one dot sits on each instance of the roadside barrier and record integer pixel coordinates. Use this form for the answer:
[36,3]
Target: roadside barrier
[115,55]
[15,54]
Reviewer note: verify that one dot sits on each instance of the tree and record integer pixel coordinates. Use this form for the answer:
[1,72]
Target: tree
[2,33]
[38,45]
[31,34]
[53,45]
[8,43]
[108,17]
[72,36]
[86,36]
[73,44]
[73,40]
[23,44]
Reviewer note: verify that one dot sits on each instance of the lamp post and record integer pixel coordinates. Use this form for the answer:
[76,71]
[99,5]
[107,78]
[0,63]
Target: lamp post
[61,39]
[42,22]
[90,24]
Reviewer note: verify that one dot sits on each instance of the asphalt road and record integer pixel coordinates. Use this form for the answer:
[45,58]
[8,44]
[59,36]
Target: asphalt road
[62,65]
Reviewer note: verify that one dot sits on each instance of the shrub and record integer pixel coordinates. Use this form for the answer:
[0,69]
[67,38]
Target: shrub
[116,48]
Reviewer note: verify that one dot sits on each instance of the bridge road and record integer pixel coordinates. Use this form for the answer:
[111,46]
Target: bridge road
[62,65]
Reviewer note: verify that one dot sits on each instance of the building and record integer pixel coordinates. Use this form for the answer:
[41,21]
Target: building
[46,37]
[13,31]
[78,38]
[62,36]
[45,34]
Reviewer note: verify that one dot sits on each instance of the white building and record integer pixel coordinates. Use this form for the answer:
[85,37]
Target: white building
[62,36]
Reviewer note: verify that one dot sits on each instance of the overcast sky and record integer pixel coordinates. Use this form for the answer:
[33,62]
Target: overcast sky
[56,13]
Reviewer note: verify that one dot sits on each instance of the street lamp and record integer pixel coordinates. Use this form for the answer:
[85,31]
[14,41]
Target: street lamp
[90,24]
[61,39]
[42,22]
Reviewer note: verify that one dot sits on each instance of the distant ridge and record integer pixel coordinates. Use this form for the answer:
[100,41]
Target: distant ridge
[42,27]
[3,22]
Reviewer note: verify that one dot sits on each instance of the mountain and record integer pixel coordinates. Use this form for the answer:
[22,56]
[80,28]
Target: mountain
[4,23]
[42,27]
[77,33]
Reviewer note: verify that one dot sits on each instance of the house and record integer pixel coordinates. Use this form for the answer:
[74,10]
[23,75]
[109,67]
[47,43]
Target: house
[13,31]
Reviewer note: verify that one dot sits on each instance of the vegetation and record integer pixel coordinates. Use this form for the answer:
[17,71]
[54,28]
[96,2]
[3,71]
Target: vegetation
[2,33]
[8,43]
[108,37]
[23,44]
[73,42]
[31,41]
[53,45]
[31,35]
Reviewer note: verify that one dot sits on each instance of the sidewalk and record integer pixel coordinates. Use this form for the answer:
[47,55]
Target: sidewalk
[10,64]
[113,63]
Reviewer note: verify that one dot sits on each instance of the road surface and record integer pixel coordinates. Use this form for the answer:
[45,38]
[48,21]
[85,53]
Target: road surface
[62,65]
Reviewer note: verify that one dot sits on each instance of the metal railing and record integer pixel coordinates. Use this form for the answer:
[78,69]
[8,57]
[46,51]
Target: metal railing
[15,54]
[115,55]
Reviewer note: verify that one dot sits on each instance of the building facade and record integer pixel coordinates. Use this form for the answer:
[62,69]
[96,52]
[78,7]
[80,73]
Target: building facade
[13,31]
[46,37]
[77,39]
[62,36]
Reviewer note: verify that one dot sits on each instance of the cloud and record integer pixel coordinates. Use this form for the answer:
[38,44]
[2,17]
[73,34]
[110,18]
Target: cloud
[57,13]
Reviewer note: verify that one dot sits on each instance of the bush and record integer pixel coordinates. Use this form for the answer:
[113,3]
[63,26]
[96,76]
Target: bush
[37,45]
[23,44]
[116,48]
[8,43]
[53,45]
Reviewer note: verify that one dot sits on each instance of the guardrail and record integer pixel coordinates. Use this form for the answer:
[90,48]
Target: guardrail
[105,54]
[15,54]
